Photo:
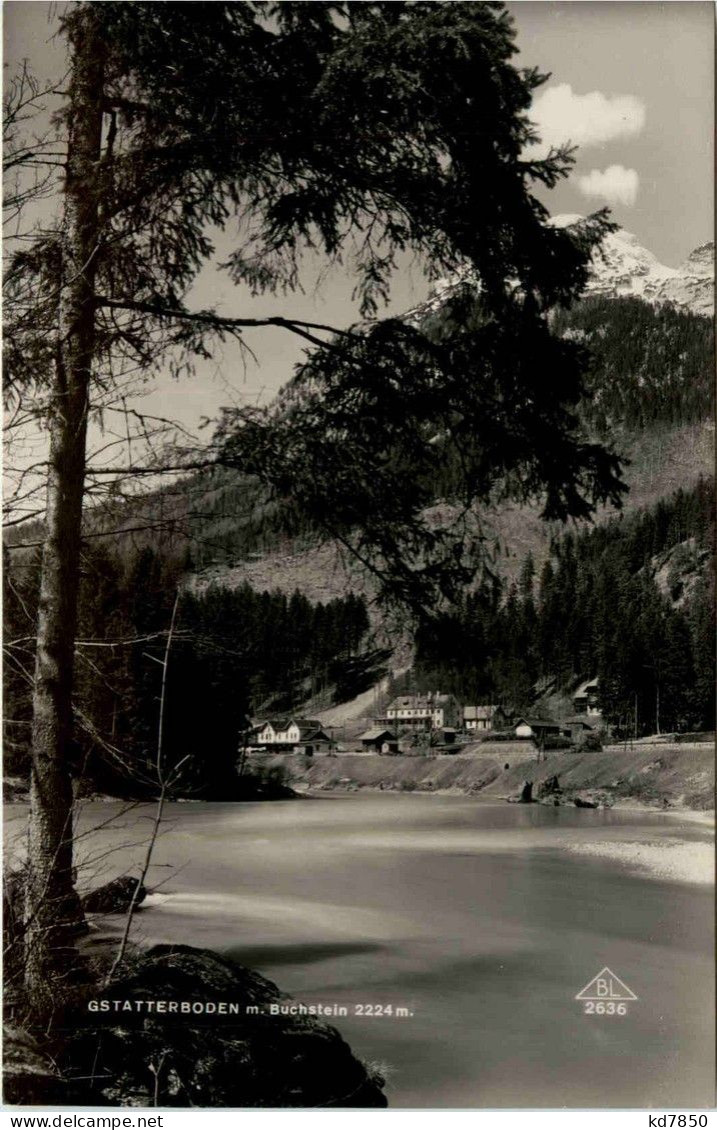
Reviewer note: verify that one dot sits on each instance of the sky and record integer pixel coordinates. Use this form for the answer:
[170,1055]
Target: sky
[631,83]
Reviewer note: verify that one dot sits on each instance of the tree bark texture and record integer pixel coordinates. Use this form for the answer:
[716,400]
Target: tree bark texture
[51,901]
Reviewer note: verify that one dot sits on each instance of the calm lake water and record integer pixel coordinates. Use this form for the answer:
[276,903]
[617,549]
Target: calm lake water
[473,917]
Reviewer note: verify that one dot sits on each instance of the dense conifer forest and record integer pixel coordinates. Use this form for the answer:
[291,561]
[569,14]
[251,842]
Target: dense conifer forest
[651,365]
[233,654]
[630,601]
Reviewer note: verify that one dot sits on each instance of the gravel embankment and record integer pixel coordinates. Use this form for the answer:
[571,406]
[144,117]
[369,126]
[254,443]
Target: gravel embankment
[667,776]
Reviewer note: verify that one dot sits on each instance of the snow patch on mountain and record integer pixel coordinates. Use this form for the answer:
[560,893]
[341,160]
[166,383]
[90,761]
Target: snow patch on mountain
[623,266]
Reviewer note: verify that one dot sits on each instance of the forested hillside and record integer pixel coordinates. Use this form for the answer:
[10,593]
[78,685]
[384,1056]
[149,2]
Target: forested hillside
[233,653]
[651,393]
[607,600]
[652,365]
[652,376]
[630,601]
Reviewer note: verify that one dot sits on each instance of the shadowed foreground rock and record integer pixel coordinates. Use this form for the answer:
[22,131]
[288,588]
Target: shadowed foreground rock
[29,1075]
[252,1060]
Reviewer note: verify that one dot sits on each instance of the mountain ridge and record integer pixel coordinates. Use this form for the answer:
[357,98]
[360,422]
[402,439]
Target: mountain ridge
[624,267]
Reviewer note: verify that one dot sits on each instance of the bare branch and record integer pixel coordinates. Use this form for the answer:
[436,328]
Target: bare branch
[165,784]
[228,325]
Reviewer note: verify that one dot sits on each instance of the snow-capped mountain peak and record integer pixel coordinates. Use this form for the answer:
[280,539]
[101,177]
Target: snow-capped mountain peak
[624,267]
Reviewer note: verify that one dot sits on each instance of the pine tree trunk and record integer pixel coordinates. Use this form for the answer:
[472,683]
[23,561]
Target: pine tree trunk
[51,902]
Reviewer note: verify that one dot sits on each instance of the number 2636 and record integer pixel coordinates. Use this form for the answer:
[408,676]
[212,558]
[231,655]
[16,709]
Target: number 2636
[605,1008]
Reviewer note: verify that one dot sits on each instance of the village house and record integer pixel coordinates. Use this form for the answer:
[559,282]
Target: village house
[380,740]
[536,728]
[477,718]
[283,735]
[424,712]
[576,727]
[586,698]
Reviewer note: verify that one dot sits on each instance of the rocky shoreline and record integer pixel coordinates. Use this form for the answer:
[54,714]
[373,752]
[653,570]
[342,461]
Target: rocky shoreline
[195,1055]
[678,777]
[174,1026]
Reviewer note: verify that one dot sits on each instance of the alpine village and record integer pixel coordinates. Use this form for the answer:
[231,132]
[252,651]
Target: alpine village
[466,551]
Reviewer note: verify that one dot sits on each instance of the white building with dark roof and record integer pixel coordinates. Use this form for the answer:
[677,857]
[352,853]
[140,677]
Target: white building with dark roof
[284,733]
[487,717]
[536,727]
[428,712]
[379,738]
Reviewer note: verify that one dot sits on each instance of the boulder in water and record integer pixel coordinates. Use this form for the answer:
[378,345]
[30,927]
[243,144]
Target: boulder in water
[549,787]
[114,897]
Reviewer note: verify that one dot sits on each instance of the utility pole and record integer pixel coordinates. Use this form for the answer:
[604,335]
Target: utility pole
[657,706]
[635,715]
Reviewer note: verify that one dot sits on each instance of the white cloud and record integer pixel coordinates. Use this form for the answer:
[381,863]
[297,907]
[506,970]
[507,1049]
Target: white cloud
[615,184]
[561,115]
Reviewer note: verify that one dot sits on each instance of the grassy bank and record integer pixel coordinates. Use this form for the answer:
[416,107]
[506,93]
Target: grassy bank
[679,776]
